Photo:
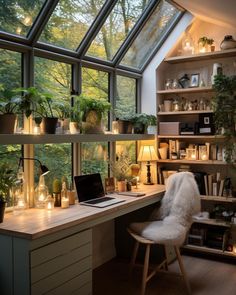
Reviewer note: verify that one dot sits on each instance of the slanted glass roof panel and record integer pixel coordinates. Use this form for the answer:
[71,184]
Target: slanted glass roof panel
[151,34]
[69,22]
[17,17]
[116,28]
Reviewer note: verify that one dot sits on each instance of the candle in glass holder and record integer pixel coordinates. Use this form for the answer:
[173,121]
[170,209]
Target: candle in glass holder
[49,203]
[64,203]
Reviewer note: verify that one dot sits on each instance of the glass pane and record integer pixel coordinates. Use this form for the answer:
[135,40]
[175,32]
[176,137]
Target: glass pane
[57,158]
[116,28]
[94,155]
[17,17]
[10,78]
[95,85]
[10,69]
[54,77]
[10,155]
[94,158]
[69,22]
[126,97]
[150,35]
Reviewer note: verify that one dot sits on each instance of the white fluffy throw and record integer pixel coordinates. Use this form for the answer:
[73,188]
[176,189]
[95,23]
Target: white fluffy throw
[172,220]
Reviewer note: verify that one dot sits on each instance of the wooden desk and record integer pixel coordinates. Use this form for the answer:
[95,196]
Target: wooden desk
[50,252]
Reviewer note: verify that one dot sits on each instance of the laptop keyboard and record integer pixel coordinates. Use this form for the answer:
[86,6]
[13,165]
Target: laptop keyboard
[99,200]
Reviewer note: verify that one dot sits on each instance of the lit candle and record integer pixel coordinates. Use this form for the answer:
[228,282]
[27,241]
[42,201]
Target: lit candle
[36,130]
[204,157]
[21,204]
[64,203]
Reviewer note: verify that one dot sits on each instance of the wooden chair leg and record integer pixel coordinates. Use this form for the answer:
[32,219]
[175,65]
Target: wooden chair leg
[133,258]
[181,266]
[166,264]
[145,269]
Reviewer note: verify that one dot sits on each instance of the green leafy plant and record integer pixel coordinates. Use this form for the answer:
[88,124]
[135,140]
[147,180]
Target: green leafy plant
[75,115]
[7,180]
[205,41]
[87,104]
[9,102]
[224,106]
[144,119]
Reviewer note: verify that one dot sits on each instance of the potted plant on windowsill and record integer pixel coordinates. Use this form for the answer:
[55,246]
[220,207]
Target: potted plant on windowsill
[9,107]
[75,119]
[92,112]
[7,180]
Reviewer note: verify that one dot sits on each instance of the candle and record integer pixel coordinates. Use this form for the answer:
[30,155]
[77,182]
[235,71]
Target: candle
[64,203]
[41,197]
[21,204]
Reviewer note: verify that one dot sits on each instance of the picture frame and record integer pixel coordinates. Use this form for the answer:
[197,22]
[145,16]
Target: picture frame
[194,80]
[109,185]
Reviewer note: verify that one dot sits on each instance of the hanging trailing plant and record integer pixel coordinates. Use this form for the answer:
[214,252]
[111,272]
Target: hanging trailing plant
[224,106]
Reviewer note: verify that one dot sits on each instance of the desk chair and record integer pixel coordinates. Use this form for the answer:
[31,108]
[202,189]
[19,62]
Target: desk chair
[169,224]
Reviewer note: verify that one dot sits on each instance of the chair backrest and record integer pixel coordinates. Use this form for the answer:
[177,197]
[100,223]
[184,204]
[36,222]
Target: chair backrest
[181,200]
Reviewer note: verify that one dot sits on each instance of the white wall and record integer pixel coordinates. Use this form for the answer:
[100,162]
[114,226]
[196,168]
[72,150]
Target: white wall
[148,94]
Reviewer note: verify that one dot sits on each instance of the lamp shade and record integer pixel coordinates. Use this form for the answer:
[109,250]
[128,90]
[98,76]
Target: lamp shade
[147,153]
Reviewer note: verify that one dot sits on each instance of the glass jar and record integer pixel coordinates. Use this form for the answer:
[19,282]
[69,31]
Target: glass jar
[175,84]
[176,106]
[41,193]
[168,84]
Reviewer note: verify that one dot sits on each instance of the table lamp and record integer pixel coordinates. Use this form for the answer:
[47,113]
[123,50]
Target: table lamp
[147,153]
[43,169]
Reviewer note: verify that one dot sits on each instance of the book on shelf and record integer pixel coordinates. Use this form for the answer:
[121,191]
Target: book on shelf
[221,188]
[210,176]
[206,185]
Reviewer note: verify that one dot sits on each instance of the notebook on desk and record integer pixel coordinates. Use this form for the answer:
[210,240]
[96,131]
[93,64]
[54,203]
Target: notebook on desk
[90,191]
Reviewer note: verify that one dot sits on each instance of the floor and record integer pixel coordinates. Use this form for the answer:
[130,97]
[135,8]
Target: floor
[207,277]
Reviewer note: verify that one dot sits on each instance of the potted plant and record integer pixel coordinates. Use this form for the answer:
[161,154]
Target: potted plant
[152,125]
[141,122]
[9,107]
[7,180]
[203,43]
[92,112]
[48,112]
[224,107]
[121,170]
[75,119]
[64,112]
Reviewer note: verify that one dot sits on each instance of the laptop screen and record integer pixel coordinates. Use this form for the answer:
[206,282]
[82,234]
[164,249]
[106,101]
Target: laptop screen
[89,187]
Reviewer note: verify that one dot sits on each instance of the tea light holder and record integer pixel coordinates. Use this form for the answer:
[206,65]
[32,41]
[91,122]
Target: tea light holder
[64,203]
[49,203]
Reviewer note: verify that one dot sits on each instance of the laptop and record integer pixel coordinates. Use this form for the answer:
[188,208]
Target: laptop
[90,191]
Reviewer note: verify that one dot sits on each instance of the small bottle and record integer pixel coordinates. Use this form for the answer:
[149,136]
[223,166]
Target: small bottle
[64,197]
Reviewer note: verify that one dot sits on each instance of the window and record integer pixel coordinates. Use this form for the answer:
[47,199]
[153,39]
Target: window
[17,17]
[70,22]
[116,28]
[54,77]
[151,35]
[94,154]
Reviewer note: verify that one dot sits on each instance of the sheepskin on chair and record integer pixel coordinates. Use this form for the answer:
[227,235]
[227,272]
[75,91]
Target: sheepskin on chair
[170,223]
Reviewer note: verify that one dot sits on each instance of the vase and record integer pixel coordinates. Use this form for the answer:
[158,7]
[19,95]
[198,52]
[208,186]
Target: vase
[121,186]
[228,43]
[124,126]
[49,125]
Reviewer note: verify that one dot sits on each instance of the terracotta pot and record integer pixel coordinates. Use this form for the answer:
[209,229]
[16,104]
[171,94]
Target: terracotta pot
[93,123]
[7,123]
[124,127]
[74,128]
[121,186]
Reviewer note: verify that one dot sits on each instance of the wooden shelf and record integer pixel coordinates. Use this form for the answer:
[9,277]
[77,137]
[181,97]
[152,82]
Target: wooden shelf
[183,113]
[218,199]
[202,56]
[70,138]
[186,90]
[212,222]
[204,249]
[195,162]
[206,137]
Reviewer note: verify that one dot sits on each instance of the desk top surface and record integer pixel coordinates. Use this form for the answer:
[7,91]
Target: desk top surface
[36,223]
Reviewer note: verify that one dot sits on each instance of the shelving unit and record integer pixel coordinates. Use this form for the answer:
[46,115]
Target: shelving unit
[174,68]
